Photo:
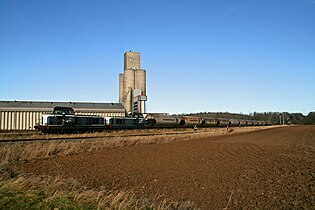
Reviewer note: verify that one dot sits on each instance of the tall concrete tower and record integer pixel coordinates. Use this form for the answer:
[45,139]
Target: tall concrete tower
[132,84]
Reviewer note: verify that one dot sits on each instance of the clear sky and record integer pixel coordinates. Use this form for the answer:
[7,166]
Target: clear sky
[200,55]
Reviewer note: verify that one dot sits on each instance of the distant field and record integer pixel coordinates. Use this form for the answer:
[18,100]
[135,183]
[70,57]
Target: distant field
[215,168]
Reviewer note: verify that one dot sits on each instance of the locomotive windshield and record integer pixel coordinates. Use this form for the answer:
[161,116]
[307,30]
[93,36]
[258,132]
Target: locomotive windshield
[63,110]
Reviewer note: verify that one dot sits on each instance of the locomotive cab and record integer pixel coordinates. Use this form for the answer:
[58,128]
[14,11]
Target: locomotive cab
[63,110]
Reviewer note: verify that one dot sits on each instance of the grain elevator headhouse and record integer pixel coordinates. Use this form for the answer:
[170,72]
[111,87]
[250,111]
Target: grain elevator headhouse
[132,84]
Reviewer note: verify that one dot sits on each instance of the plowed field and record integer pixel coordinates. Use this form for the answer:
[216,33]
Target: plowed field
[267,169]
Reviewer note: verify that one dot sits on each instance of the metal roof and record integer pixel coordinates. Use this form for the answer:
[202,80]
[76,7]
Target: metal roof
[8,105]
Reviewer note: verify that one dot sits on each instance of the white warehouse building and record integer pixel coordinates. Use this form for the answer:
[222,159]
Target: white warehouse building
[24,115]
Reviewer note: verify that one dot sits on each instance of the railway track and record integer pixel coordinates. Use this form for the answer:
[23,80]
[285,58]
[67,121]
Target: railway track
[16,137]
[60,138]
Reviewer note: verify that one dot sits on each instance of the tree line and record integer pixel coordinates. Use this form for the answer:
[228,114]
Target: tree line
[274,117]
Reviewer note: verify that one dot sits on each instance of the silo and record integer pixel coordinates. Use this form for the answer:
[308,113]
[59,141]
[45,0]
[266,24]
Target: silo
[140,81]
[121,87]
[129,85]
[132,60]
[132,79]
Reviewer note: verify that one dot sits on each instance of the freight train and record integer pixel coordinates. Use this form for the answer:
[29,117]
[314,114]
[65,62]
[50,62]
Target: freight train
[64,120]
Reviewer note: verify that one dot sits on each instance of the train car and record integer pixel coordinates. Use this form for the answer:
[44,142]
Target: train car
[249,122]
[233,122]
[255,123]
[209,122]
[223,122]
[155,120]
[187,121]
[242,123]
[124,123]
[260,123]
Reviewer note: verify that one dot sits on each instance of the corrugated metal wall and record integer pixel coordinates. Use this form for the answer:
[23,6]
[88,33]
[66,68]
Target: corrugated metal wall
[19,120]
[26,120]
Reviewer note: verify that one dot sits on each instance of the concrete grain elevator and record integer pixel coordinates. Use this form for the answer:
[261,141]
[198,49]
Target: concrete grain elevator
[132,84]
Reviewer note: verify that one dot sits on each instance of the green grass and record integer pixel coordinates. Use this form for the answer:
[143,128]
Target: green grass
[14,199]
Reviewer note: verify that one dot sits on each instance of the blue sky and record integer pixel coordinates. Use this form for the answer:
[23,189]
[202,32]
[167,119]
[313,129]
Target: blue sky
[200,55]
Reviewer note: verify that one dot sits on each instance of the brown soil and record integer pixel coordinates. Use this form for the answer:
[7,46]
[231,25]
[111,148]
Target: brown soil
[266,169]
